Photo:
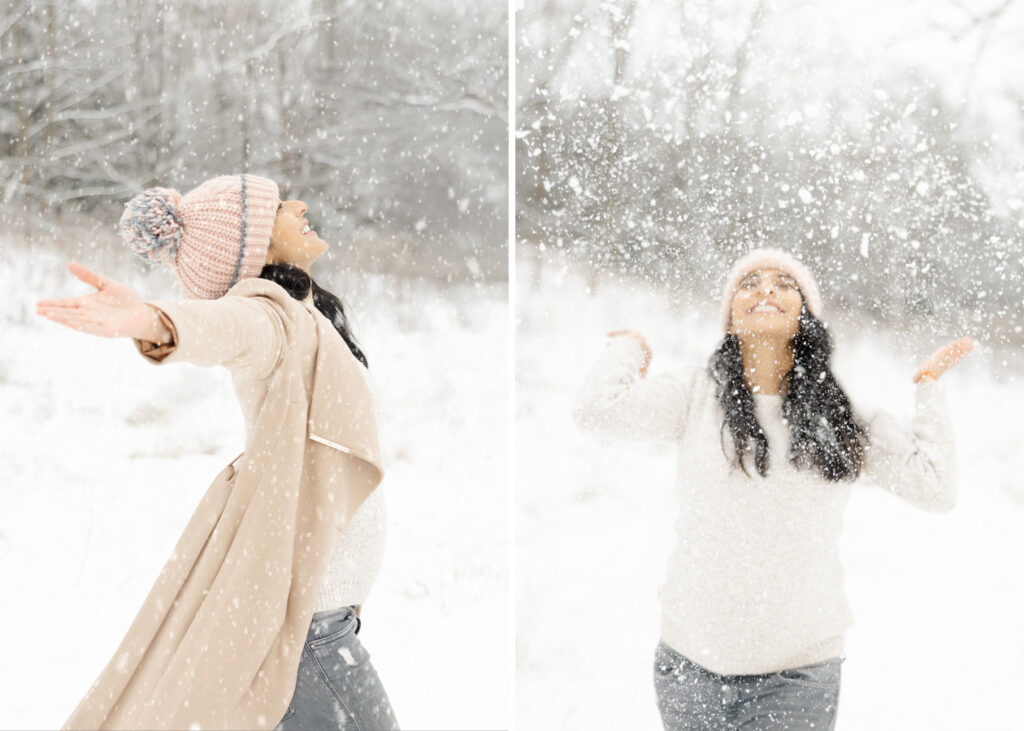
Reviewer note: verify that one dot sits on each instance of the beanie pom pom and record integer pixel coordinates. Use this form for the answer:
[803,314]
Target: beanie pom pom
[151,226]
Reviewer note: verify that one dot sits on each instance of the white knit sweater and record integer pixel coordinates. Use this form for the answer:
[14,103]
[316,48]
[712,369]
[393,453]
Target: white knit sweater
[754,583]
[356,560]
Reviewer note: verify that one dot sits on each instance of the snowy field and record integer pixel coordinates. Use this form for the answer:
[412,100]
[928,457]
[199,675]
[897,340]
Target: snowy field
[104,457]
[937,642]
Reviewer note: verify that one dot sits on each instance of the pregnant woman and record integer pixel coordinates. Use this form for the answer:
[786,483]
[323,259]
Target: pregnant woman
[753,610]
[252,622]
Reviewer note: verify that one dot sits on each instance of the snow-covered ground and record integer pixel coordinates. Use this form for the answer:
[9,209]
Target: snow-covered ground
[936,598]
[104,457]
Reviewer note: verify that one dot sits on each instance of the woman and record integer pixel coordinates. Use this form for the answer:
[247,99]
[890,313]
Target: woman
[753,609]
[258,603]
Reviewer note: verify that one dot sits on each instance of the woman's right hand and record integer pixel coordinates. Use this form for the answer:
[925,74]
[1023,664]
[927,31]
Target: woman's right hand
[113,311]
[643,344]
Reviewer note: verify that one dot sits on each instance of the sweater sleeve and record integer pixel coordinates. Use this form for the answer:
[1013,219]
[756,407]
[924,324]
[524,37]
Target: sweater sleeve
[916,464]
[245,334]
[615,401]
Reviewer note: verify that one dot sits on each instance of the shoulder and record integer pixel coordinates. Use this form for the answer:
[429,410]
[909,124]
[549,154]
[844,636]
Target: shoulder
[289,316]
[273,294]
[694,372]
[259,287]
[696,377]
[696,387]
[699,387]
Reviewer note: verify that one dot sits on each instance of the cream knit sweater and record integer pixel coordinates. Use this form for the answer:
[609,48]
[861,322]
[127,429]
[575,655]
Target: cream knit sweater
[357,557]
[754,583]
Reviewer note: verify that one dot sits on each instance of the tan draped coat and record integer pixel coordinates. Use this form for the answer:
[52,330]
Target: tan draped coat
[217,642]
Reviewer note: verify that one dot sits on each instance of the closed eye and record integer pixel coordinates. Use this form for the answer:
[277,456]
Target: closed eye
[752,281]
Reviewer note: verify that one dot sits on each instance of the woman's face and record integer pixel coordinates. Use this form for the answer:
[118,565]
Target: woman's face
[292,241]
[767,302]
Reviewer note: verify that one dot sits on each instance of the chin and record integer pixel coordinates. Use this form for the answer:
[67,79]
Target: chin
[780,329]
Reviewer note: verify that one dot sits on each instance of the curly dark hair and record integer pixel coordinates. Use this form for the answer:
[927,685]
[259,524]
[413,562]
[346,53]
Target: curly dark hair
[824,432]
[298,283]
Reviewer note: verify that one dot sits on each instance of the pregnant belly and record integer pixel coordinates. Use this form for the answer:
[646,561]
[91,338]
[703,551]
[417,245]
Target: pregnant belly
[747,601]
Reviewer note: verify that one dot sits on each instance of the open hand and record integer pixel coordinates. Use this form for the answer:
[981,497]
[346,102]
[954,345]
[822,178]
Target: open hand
[113,311]
[943,359]
[643,344]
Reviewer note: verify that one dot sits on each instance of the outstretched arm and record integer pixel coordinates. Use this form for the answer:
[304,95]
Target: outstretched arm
[243,334]
[616,400]
[114,310]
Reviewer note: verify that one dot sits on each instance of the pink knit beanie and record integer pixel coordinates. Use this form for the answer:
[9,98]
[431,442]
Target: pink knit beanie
[214,236]
[779,260]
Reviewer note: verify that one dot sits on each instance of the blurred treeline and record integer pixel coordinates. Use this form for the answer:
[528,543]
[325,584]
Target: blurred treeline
[388,118]
[660,141]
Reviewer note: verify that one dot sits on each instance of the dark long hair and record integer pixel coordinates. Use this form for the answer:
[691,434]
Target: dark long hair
[297,283]
[824,433]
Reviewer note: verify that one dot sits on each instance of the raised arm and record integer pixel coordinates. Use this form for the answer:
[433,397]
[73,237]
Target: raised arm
[917,464]
[616,400]
[243,334]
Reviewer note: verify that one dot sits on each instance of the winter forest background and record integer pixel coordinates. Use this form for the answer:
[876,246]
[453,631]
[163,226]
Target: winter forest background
[390,119]
[883,143]
[881,140]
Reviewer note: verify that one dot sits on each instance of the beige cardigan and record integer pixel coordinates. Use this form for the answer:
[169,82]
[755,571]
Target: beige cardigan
[217,642]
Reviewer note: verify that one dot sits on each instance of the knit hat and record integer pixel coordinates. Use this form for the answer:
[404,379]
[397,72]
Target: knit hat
[214,236]
[779,260]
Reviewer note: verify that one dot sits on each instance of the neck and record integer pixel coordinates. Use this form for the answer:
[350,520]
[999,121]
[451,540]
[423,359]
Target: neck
[766,360]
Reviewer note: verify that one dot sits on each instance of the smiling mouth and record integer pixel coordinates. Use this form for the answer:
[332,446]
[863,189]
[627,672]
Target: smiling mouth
[306,230]
[766,307]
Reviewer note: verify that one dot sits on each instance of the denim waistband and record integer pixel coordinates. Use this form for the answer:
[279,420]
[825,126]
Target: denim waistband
[682,661]
[334,622]
[328,613]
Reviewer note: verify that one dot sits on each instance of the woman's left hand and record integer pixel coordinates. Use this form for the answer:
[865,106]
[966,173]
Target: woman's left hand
[943,359]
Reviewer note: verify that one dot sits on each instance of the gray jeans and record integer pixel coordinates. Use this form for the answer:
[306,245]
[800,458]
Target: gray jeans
[693,698]
[337,687]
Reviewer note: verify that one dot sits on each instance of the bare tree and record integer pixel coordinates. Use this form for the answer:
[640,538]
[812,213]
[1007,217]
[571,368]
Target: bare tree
[388,118]
[666,170]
